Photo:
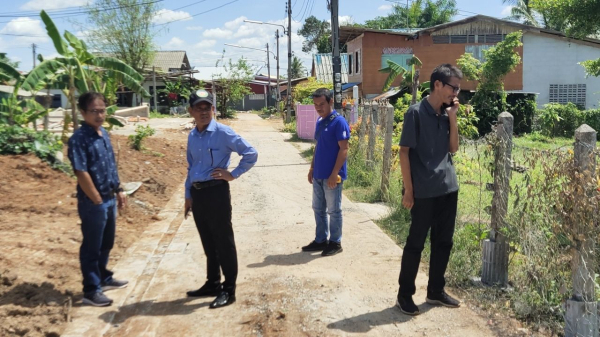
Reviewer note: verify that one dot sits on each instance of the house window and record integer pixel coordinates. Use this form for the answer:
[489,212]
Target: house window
[458,39]
[401,59]
[565,93]
[349,64]
[256,97]
[477,51]
[357,62]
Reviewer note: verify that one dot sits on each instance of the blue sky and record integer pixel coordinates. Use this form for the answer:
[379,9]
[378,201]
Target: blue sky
[203,35]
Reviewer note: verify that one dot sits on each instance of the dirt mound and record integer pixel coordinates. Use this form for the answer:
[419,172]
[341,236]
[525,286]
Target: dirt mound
[39,245]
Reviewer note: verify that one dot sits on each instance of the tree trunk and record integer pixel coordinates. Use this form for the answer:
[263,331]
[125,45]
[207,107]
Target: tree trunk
[73,103]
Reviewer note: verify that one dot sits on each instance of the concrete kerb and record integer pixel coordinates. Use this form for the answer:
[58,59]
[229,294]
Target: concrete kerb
[140,260]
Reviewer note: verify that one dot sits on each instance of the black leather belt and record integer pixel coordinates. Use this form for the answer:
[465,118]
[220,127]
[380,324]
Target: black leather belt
[205,184]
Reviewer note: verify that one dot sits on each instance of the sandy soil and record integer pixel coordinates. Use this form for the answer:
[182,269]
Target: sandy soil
[39,268]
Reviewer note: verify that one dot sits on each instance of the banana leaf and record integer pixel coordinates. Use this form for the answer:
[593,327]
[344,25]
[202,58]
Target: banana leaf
[394,70]
[42,73]
[111,63]
[53,33]
[10,71]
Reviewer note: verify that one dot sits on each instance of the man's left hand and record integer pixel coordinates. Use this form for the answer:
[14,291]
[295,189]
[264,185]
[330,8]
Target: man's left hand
[332,181]
[222,174]
[121,200]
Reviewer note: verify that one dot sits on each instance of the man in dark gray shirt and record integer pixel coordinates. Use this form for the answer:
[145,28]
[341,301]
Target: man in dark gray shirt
[429,138]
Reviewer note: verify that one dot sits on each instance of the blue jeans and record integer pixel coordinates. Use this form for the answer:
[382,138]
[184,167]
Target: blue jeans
[327,201]
[98,223]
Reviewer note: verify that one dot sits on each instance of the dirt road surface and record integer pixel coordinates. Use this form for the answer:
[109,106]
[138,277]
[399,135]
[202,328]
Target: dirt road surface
[281,291]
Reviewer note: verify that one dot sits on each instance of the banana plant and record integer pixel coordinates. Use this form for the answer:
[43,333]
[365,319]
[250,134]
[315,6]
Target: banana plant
[13,110]
[394,70]
[76,68]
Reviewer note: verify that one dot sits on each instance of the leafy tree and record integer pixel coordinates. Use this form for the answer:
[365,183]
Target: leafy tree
[78,70]
[580,17]
[297,68]
[123,29]
[419,14]
[317,35]
[490,98]
[232,85]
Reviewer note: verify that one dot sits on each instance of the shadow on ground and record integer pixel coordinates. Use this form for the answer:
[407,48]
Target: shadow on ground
[287,259]
[152,308]
[365,322]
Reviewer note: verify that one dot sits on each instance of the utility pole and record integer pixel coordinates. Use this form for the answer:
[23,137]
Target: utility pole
[278,99]
[33,46]
[269,75]
[288,115]
[337,61]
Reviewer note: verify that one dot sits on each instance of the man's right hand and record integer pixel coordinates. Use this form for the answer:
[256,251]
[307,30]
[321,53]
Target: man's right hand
[310,176]
[187,207]
[408,200]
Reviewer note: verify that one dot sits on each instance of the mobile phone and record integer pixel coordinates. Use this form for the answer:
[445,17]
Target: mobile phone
[446,106]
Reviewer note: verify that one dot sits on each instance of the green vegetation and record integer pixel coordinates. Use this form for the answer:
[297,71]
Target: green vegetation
[15,139]
[141,132]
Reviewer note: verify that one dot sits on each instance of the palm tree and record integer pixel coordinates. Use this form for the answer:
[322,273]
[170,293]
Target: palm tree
[78,70]
[297,68]
[523,11]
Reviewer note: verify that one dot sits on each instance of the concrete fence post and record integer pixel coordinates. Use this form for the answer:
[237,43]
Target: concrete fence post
[581,316]
[387,150]
[495,248]
[372,132]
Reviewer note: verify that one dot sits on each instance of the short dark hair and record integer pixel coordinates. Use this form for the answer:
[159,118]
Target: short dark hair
[86,99]
[323,92]
[443,73]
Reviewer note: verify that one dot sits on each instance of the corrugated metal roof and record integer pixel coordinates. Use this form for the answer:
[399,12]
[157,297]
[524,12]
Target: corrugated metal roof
[165,60]
[323,66]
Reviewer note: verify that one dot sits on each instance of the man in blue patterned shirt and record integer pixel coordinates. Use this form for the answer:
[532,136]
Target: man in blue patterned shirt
[210,145]
[98,195]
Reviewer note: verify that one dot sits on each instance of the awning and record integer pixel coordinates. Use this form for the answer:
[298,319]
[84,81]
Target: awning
[349,85]
[386,95]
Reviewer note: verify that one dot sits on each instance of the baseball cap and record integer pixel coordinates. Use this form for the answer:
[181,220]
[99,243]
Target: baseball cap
[201,96]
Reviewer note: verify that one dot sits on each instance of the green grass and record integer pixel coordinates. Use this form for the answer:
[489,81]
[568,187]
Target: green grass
[156,114]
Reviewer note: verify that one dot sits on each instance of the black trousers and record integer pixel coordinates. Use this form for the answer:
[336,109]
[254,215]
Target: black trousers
[439,214]
[212,213]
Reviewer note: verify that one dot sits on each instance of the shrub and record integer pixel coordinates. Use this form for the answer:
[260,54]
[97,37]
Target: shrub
[141,133]
[558,120]
[303,91]
[290,127]
[15,139]
[592,118]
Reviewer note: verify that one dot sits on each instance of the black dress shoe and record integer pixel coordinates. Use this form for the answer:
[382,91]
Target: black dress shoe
[315,246]
[224,299]
[207,290]
[332,249]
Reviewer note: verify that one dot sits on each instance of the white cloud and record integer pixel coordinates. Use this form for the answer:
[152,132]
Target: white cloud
[345,20]
[506,11]
[246,30]
[231,25]
[217,33]
[194,28]
[167,15]
[205,44]
[174,43]
[205,53]
[31,30]
[384,8]
[37,5]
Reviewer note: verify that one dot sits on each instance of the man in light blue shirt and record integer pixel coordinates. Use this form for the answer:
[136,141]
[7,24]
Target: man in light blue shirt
[210,145]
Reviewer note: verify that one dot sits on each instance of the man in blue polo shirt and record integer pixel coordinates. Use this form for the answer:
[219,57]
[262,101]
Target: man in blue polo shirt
[207,195]
[429,138]
[98,196]
[327,174]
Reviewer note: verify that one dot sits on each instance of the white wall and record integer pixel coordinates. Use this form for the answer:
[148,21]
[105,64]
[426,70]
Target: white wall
[549,60]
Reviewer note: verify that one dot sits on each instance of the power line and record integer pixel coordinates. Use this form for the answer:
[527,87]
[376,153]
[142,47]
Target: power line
[191,16]
[79,11]
[63,15]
